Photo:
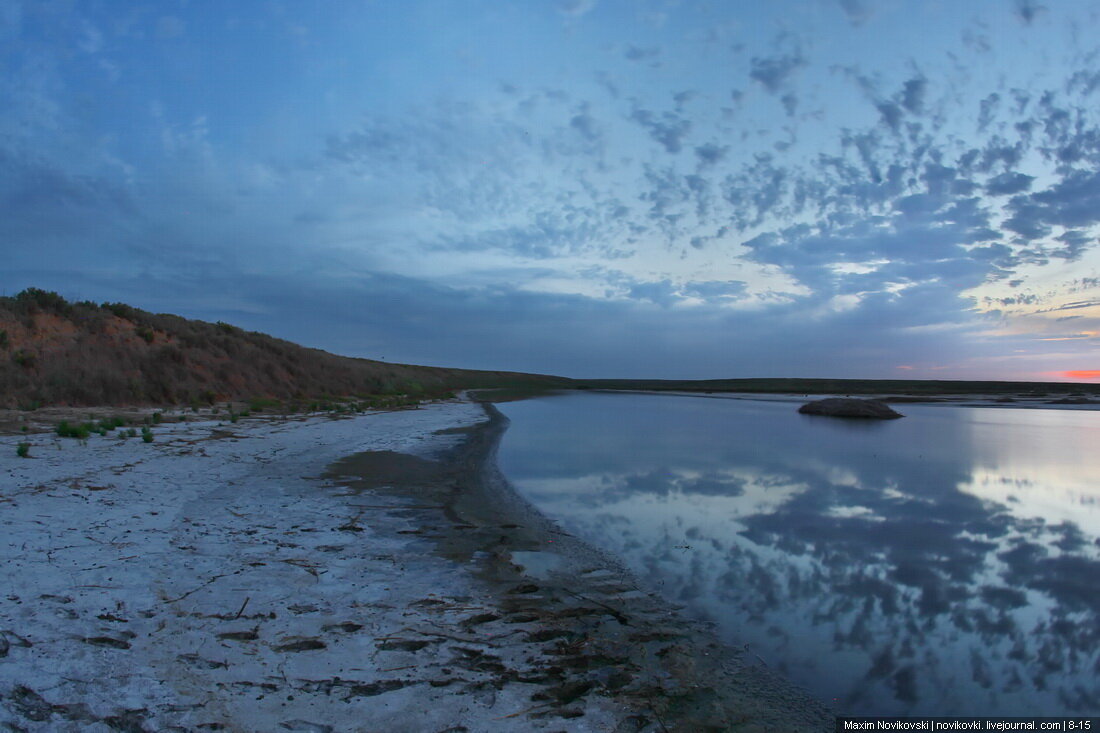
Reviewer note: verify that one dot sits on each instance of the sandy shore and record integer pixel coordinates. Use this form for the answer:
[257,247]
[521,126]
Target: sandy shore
[334,574]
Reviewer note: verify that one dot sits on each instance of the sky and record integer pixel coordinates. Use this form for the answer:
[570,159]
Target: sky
[590,188]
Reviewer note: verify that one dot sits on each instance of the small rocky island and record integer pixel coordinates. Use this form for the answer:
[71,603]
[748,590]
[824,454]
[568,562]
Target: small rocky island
[850,407]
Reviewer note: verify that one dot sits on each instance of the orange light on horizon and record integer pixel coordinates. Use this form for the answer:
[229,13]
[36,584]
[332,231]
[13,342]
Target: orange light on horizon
[1082,374]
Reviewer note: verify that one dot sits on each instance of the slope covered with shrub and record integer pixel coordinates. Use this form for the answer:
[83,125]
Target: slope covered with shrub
[53,352]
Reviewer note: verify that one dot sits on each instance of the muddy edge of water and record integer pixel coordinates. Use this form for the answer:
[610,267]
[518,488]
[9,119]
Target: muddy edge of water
[591,632]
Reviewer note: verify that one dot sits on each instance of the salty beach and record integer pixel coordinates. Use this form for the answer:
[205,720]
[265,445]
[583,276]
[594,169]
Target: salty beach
[321,573]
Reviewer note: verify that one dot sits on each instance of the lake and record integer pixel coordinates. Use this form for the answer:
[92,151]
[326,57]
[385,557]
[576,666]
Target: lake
[946,563]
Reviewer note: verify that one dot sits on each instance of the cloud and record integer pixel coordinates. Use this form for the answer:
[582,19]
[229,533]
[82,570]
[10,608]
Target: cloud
[1073,203]
[575,8]
[711,153]
[913,94]
[856,11]
[1008,183]
[1028,10]
[668,128]
[640,53]
[712,289]
[773,72]
[585,124]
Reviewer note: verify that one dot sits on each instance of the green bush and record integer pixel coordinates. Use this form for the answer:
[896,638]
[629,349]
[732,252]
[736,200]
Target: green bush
[158,416]
[146,435]
[80,432]
[258,404]
[234,417]
[121,310]
[3,339]
[146,333]
[23,450]
[24,358]
[44,299]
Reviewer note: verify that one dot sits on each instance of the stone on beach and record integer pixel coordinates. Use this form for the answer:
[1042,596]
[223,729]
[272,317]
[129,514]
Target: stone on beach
[850,407]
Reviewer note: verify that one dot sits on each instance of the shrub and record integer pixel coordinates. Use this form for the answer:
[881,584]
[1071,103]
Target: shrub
[157,417]
[146,435]
[45,299]
[121,310]
[146,333]
[257,404]
[24,358]
[23,450]
[233,417]
[78,431]
[3,338]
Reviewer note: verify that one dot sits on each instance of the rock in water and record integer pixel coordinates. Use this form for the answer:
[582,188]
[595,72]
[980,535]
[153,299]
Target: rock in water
[849,407]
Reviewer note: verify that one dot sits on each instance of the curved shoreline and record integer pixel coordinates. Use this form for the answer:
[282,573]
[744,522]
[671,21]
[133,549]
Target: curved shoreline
[597,641]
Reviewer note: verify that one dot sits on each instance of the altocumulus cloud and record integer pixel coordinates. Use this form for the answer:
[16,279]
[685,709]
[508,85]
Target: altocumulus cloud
[571,187]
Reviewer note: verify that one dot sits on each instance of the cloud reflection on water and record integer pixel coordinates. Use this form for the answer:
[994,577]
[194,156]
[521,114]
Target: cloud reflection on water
[946,563]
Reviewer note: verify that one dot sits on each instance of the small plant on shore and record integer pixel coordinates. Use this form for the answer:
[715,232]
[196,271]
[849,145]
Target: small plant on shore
[158,416]
[146,435]
[80,432]
[23,450]
[234,417]
[259,404]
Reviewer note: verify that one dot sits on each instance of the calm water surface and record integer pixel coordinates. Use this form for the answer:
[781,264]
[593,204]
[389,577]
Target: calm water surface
[945,563]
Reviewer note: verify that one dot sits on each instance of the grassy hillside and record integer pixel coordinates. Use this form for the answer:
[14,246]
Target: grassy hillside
[53,352]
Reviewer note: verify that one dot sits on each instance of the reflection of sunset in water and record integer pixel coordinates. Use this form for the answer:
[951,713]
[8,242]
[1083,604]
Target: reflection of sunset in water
[945,563]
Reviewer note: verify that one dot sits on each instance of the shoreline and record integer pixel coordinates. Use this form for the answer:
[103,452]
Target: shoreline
[1022,402]
[224,576]
[598,633]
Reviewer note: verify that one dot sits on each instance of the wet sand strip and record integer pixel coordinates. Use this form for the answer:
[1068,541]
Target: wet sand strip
[571,625]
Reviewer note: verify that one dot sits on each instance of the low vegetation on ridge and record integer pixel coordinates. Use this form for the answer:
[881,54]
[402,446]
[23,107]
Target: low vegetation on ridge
[56,352]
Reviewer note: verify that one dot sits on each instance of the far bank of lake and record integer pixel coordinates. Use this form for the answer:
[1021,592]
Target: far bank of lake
[946,563]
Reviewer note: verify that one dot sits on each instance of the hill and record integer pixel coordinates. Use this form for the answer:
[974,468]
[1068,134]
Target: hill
[53,352]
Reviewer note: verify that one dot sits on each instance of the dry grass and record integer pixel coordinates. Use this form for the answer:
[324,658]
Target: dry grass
[53,352]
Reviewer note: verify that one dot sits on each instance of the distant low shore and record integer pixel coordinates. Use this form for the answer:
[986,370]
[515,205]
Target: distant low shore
[1017,400]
